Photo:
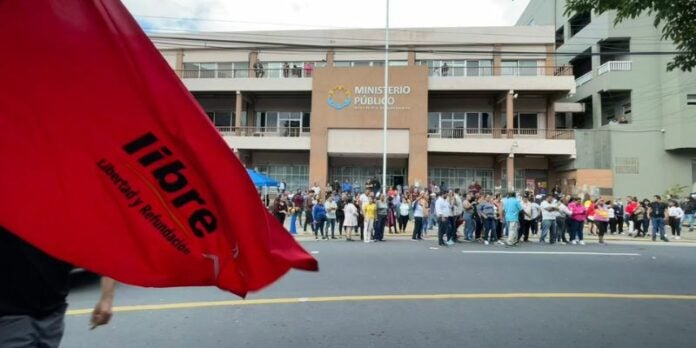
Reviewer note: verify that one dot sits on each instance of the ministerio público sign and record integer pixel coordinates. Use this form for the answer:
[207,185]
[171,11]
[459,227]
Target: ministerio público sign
[366,97]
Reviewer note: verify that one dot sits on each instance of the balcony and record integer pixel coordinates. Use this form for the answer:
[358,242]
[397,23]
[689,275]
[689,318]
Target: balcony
[503,70]
[290,73]
[210,80]
[528,141]
[462,133]
[503,78]
[617,65]
[266,138]
[583,79]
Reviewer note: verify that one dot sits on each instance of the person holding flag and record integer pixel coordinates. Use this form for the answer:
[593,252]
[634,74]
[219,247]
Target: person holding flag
[125,176]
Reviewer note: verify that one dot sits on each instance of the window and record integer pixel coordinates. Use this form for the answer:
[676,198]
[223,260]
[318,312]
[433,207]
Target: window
[462,177]
[529,122]
[215,70]
[368,63]
[627,165]
[221,119]
[508,68]
[528,67]
[458,67]
[295,175]
[626,109]
[287,124]
[433,123]
[691,99]
[457,124]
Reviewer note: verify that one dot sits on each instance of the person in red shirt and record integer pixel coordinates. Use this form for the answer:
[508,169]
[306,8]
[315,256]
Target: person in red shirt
[630,208]
[298,205]
[591,215]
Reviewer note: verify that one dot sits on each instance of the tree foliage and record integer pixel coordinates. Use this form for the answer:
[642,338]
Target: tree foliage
[677,17]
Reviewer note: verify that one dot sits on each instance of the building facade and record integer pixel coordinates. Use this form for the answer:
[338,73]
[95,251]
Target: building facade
[637,133]
[464,104]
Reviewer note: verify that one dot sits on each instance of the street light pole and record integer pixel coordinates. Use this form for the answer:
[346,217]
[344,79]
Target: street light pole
[385,103]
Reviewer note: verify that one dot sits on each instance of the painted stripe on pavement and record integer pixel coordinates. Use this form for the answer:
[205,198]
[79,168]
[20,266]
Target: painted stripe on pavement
[423,297]
[547,252]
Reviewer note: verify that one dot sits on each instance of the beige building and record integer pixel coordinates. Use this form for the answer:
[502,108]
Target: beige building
[464,103]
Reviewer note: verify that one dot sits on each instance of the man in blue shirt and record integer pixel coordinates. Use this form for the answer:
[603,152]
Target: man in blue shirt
[511,209]
[346,186]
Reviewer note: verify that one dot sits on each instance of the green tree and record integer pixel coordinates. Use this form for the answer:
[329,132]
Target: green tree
[677,17]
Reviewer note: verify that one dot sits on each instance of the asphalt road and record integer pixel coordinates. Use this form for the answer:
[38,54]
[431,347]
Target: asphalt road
[470,299]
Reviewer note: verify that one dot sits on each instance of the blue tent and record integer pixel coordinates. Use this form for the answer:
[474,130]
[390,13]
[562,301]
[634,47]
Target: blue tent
[261,180]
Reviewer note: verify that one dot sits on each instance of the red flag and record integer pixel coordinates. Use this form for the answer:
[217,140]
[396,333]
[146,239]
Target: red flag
[109,163]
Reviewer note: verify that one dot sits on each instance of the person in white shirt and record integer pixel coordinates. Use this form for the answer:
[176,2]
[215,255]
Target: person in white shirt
[527,222]
[675,215]
[420,209]
[549,212]
[316,189]
[536,212]
[442,212]
[404,210]
[364,198]
[562,221]
[331,208]
[350,221]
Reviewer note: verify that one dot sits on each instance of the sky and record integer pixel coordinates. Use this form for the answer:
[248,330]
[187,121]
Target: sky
[224,15]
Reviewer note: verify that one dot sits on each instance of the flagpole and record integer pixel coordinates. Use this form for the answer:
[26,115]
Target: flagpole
[385,102]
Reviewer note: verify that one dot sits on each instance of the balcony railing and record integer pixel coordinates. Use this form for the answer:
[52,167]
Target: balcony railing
[563,70]
[583,79]
[616,65]
[473,133]
[245,73]
[264,131]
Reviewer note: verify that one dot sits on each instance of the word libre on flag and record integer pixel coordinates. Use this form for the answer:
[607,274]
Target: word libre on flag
[110,164]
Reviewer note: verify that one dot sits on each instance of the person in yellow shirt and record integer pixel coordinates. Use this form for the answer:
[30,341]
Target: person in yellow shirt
[370,212]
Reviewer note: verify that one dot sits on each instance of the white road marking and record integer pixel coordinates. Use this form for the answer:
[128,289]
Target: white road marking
[547,253]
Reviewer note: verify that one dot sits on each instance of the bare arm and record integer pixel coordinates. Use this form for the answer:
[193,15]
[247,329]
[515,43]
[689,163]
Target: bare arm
[103,309]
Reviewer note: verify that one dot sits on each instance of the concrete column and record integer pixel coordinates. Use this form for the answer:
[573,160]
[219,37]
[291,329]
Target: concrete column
[509,112]
[550,118]
[179,64]
[497,60]
[411,58]
[238,112]
[550,60]
[497,112]
[596,59]
[510,163]
[318,156]
[330,57]
[596,110]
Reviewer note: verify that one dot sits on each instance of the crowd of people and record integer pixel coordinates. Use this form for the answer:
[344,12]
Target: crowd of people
[338,211]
